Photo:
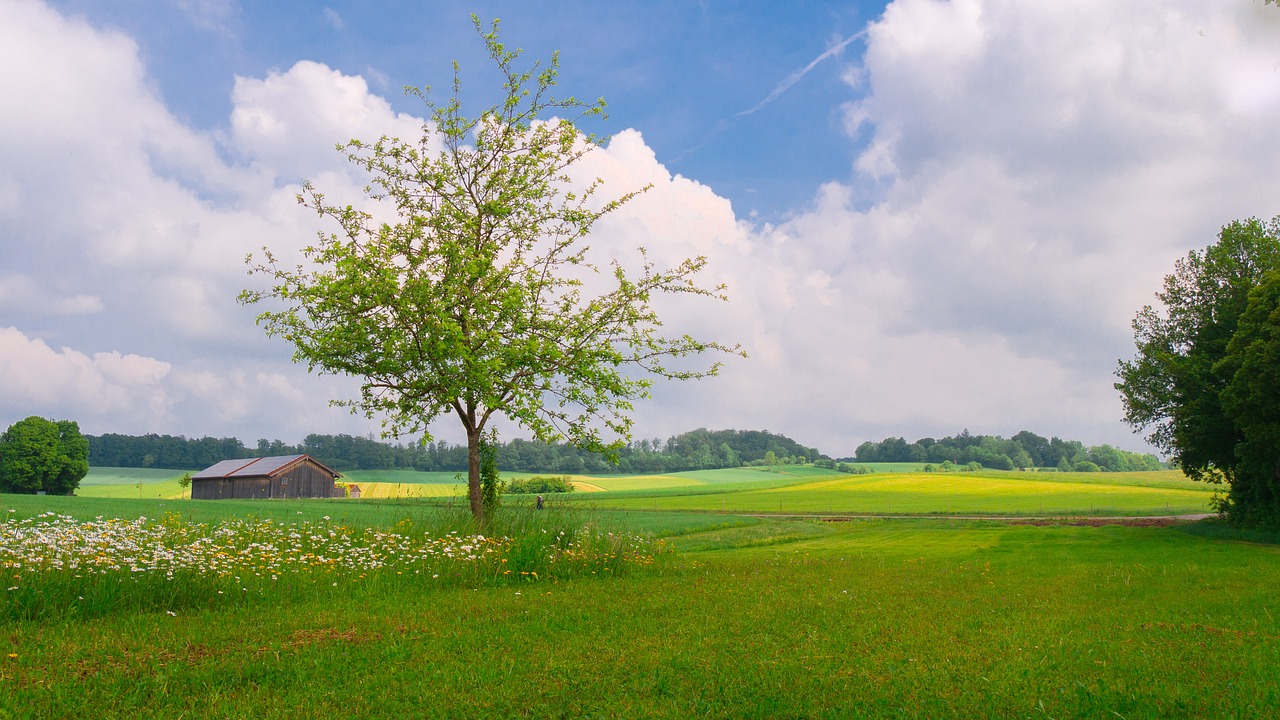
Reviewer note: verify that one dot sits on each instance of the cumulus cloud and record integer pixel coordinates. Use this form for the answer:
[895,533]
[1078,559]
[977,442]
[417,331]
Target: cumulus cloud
[69,383]
[125,230]
[1021,175]
[290,121]
[1027,174]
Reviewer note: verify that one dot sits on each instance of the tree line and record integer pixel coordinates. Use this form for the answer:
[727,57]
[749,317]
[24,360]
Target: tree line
[1024,450]
[699,449]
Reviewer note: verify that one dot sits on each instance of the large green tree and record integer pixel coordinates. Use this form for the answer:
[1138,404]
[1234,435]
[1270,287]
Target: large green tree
[1174,386]
[1251,400]
[479,295]
[43,455]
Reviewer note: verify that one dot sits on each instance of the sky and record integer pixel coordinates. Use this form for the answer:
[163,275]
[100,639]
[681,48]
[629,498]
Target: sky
[930,216]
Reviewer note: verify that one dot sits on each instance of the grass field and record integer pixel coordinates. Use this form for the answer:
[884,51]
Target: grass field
[782,490]
[131,483]
[750,618]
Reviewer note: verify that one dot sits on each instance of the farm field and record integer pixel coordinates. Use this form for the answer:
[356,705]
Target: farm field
[749,617]
[992,493]
[782,490]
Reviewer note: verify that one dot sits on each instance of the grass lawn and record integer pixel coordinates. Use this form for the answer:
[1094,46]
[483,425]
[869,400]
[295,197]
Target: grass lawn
[751,618]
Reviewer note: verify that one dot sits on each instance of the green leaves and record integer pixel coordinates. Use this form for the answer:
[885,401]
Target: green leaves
[43,455]
[472,300]
[1194,379]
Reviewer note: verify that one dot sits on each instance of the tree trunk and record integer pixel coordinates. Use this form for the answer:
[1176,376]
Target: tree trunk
[474,492]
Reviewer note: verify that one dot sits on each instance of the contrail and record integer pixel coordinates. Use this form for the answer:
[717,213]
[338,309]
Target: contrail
[794,77]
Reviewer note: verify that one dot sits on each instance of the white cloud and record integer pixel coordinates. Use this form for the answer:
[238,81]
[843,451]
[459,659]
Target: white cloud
[22,292]
[71,384]
[124,232]
[332,17]
[1029,174]
[1024,174]
[212,15]
[290,122]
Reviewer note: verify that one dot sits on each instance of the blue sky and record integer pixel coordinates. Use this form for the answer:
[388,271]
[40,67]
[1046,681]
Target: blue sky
[681,72]
[947,223]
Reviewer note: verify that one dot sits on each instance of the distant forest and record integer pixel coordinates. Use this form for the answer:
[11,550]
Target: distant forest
[697,450]
[1024,450]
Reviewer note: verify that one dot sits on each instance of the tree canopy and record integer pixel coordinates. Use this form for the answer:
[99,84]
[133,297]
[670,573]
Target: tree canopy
[480,296]
[1251,400]
[1196,381]
[40,455]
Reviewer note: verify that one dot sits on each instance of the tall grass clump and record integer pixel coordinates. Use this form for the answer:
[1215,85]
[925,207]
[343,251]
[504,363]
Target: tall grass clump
[54,566]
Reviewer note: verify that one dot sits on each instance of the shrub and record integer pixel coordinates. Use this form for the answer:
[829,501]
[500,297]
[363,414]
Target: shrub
[538,485]
[853,469]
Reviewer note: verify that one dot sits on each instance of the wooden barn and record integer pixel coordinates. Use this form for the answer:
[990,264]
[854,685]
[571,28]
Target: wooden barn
[285,476]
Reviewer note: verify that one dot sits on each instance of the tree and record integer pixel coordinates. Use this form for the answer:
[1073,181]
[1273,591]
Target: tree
[1174,386]
[480,296]
[74,450]
[1036,447]
[1251,401]
[43,455]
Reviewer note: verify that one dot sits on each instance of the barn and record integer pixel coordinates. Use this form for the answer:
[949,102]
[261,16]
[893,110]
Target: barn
[284,476]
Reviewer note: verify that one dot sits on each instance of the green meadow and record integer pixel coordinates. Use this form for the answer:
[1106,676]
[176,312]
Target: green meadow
[786,490]
[742,617]
[725,614]
[131,483]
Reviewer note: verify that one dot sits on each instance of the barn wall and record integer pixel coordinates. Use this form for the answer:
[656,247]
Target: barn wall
[251,488]
[205,489]
[304,480]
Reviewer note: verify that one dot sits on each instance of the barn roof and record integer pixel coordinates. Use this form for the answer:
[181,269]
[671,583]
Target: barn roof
[255,467]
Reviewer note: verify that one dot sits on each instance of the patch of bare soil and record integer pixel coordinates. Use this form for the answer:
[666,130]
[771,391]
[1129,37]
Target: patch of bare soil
[1161,521]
